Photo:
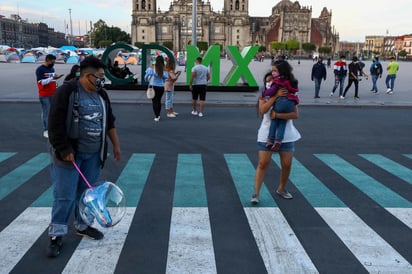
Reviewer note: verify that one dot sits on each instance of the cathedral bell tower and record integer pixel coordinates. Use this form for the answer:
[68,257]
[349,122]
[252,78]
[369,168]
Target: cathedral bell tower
[143,21]
[237,25]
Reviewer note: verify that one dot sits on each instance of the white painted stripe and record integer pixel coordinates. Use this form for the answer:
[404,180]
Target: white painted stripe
[375,254]
[101,256]
[403,214]
[279,247]
[190,244]
[17,238]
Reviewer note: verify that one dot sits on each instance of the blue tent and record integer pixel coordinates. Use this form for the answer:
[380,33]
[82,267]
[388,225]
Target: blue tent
[73,48]
[72,60]
[29,59]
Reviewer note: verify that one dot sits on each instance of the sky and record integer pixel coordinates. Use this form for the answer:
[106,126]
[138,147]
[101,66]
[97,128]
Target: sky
[353,19]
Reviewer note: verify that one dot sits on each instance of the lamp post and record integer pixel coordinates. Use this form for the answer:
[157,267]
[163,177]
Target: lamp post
[71,27]
[194,23]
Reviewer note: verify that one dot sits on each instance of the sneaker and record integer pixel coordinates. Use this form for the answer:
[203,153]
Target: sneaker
[91,232]
[255,199]
[357,97]
[175,113]
[200,114]
[331,94]
[55,246]
[316,97]
[194,112]
[284,194]
[46,134]
[156,119]
[388,90]
[171,115]
[341,97]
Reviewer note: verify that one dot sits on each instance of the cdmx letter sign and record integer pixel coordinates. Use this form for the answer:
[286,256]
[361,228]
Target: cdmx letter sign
[239,70]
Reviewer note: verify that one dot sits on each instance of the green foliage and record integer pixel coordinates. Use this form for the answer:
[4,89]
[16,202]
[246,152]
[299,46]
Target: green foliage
[274,45]
[168,44]
[292,45]
[262,49]
[325,50]
[138,44]
[402,53]
[102,33]
[309,47]
[202,45]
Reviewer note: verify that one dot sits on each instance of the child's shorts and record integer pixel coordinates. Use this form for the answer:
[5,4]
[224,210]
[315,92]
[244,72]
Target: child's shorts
[287,147]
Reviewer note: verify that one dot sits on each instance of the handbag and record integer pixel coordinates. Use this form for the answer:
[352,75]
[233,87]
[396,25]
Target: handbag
[150,93]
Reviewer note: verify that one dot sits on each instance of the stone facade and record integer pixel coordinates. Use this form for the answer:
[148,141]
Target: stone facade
[231,26]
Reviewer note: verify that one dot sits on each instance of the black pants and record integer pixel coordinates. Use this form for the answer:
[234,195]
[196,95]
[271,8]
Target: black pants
[156,101]
[356,82]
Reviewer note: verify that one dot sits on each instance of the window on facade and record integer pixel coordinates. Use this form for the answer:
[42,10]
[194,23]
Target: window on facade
[137,6]
[143,37]
[237,4]
[237,37]
[143,4]
[150,6]
[243,7]
[142,30]
[237,30]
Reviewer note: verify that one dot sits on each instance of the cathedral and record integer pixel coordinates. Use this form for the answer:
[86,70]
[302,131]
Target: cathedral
[231,26]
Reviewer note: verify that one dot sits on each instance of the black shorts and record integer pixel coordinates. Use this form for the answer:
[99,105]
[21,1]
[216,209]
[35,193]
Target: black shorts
[199,91]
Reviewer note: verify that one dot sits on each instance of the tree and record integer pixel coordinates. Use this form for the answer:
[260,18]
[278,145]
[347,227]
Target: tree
[325,50]
[168,44]
[202,45]
[103,35]
[292,45]
[402,53]
[277,46]
[308,47]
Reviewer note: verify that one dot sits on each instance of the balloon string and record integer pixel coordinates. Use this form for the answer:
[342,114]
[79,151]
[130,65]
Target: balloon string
[81,174]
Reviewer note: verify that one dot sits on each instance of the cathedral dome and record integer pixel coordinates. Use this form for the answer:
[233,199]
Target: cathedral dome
[282,4]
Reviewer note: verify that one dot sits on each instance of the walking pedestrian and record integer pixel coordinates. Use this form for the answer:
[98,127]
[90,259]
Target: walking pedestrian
[340,69]
[286,149]
[376,72]
[354,70]
[46,85]
[157,78]
[80,121]
[392,69]
[198,85]
[318,73]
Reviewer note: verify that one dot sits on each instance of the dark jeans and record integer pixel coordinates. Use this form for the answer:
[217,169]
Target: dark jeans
[277,126]
[156,101]
[45,102]
[341,82]
[356,82]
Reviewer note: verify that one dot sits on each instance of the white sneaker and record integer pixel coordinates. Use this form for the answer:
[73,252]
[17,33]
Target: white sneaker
[341,97]
[388,90]
[200,114]
[157,119]
[171,115]
[175,113]
[46,134]
[331,94]
[194,112]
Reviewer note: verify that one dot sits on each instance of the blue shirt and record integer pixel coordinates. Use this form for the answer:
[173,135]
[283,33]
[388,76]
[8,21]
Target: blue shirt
[201,72]
[153,79]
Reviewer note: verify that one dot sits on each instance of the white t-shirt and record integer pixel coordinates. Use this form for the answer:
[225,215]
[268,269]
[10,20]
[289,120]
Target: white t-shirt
[291,133]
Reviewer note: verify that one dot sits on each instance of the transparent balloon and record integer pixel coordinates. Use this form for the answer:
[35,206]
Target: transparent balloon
[105,203]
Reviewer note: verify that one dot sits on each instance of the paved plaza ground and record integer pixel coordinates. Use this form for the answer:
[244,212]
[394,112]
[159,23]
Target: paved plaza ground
[18,84]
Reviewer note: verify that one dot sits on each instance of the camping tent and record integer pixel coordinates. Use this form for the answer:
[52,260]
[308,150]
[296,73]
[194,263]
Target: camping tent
[72,60]
[72,48]
[28,59]
[13,58]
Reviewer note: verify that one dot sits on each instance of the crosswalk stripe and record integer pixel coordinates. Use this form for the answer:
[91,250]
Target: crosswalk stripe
[20,175]
[279,247]
[102,256]
[408,156]
[243,174]
[368,247]
[375,254]
[190,241]
[368,185]
[17,238]
[6,155]
[390,166]
[313,189]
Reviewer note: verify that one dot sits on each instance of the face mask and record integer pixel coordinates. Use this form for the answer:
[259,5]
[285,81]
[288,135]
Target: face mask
[50,65]
[343,60]
[77,74]
[99,83]
[268,85]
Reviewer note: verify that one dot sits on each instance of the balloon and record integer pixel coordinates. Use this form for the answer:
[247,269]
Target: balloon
[104,203]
